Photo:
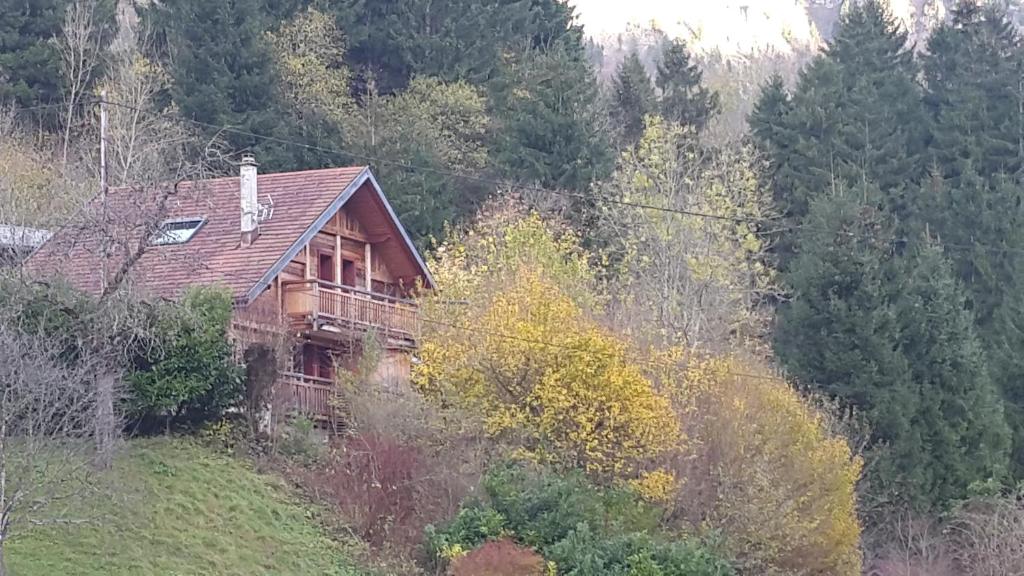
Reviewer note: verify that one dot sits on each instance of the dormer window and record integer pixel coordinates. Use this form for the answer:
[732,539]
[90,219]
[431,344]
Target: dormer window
[177,231]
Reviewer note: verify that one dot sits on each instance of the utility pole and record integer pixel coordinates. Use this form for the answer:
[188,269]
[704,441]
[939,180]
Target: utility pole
[103,186]
[103,148]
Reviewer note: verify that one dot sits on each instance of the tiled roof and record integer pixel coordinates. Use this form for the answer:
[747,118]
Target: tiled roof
[213,255]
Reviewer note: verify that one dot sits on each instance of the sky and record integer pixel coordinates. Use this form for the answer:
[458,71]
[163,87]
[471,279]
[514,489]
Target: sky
[733,26]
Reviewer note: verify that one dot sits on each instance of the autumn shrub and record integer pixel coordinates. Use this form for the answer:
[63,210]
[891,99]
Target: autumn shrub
[761,467]
[382,488]
[499,558]
[548,380]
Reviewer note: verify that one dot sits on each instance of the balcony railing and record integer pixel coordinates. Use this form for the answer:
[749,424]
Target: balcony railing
[314,397]
[347,307]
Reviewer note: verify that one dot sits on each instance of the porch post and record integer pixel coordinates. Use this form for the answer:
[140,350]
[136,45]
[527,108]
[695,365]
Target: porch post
[369,262]
[337,258]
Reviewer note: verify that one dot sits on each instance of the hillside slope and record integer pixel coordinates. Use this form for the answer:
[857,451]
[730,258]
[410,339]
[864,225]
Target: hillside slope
[183,509]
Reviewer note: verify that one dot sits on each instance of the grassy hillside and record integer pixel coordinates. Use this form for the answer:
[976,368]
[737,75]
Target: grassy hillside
[181,509]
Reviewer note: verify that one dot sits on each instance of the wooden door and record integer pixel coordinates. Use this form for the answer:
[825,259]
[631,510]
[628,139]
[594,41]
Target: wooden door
[325,267]
[348,273]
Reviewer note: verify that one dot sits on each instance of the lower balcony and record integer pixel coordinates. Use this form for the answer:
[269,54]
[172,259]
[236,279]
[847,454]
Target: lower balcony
[332,310]
[313,397]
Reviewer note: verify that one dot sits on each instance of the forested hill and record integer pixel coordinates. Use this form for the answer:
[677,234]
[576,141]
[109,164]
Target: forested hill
[780,313]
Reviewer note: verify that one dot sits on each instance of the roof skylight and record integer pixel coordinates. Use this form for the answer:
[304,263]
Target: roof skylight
[177,231]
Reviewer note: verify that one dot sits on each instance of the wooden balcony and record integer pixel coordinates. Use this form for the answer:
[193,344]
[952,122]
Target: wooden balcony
[332,309]
[313,397]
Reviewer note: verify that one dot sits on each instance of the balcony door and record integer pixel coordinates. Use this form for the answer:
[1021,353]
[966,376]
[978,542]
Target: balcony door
[317,361]
[348,273]
[325,267]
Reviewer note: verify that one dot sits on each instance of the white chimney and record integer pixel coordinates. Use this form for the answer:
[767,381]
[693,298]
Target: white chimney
[250,206]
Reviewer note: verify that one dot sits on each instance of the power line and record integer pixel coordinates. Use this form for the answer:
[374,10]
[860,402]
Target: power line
[454,174]
[44,106]
[532,188]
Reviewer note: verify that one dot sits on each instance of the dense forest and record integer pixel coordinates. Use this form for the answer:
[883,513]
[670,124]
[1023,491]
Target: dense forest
[810,324]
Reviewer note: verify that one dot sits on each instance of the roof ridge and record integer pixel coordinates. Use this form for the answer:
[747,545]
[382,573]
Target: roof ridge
[355,169]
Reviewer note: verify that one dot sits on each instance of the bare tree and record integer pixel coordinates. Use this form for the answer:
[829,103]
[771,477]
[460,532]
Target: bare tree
[141,139]
[48,418]
[988,536]
[690,265]
[80,48]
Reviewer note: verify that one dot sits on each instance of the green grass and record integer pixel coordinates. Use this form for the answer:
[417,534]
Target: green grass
[177,508]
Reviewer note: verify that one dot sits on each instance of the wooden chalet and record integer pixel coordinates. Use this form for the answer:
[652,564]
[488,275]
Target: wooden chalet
[319,255]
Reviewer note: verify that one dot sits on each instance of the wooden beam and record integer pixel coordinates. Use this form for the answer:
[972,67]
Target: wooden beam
[309,264]
[337,258]
[366,267]
[280,299]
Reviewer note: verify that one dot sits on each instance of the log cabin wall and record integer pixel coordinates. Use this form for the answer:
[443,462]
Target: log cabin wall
[320,259]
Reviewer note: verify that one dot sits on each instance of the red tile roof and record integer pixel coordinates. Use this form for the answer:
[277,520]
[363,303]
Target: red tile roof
[214,254]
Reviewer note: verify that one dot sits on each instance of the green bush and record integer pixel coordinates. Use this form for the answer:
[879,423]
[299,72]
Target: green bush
[188,375]
[543,508]
[585,553]
[474,525]
[584,529]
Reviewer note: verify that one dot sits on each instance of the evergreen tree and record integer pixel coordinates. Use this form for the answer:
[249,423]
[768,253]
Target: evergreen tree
[395,40]
[1005,341]
[960,417]
[549,128]
[684,98]
[224,75]
[886,332]
[634,97]
[776,139]
[854,124]
[29,61]
[972,72]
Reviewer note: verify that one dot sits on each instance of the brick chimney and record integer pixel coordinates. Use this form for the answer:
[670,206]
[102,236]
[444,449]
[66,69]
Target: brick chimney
[250,206]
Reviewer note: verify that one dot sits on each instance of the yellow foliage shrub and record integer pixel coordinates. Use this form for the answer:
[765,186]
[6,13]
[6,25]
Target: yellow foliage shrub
[659,486]
[549,380]
[761,467]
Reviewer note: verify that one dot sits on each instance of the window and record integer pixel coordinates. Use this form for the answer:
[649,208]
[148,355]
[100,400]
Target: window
[177,231]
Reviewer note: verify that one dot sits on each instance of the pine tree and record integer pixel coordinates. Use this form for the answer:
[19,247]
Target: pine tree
[853,125]
[224,75]
[634,97]
[684,98]
[29,61]
[549,130]
[886,331]
[395,40]
[960,417]
[972,72]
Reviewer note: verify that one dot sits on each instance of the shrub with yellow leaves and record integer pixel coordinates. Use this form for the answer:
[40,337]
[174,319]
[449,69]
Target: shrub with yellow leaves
[509,339]
[550,381]
[761,467]
[659,486]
